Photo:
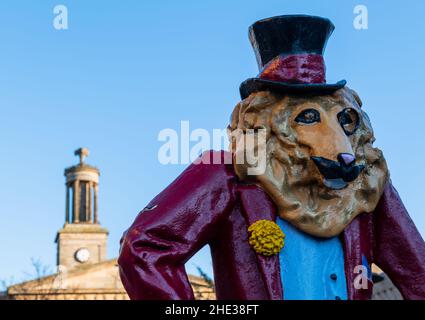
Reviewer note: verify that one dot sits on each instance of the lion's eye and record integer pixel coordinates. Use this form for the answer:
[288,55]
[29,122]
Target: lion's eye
[349,120]
[308,116]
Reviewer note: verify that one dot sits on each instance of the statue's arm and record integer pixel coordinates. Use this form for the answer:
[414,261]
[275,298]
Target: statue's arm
[174,226]
[399,248]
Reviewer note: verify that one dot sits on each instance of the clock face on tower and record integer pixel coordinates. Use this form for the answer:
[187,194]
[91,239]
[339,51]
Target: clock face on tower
[82,255]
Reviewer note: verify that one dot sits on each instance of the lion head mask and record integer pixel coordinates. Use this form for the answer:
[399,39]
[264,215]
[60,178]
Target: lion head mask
[321,168]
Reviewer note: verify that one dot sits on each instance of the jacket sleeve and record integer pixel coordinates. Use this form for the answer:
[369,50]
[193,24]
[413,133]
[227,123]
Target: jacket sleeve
[171,229]
[399,248]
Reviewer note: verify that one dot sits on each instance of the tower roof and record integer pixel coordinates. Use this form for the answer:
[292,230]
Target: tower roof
[82,170]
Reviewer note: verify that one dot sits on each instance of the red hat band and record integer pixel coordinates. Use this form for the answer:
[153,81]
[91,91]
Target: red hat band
[301,68]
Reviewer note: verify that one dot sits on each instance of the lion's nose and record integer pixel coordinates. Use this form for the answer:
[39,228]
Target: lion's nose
[346,159]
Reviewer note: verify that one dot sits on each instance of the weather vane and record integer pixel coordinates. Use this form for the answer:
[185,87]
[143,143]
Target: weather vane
[82,153]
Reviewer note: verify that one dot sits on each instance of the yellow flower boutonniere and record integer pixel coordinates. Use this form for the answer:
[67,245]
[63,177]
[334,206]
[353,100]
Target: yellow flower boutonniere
[266,237]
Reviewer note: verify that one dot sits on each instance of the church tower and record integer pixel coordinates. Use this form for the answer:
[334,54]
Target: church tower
[82,240]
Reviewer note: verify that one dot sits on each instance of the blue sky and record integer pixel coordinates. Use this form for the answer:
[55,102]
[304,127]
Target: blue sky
[124,70]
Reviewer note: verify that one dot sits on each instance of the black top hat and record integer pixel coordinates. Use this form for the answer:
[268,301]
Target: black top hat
[289,51]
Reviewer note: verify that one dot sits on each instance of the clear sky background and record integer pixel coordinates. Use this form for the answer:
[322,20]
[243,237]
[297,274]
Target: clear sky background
[127,69]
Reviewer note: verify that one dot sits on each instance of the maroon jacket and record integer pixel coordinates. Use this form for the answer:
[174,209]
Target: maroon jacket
[207,204]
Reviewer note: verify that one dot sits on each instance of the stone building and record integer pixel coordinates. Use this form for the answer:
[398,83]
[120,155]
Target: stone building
[84,272]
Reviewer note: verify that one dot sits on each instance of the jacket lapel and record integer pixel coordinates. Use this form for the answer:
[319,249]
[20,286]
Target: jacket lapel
[257,205]
[358,251]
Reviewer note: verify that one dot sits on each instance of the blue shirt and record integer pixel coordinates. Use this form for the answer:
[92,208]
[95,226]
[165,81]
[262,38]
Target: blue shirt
[311,268]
